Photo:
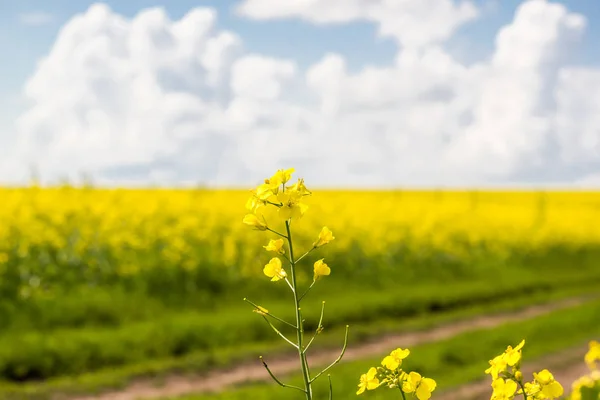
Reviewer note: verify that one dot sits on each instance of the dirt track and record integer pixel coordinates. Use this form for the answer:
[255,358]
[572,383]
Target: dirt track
[177,385]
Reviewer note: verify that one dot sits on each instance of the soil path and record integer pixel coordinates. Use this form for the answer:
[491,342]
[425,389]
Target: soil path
[252,371]
[566,366]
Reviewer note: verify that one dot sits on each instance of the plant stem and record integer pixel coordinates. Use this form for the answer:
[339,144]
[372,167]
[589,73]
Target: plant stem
[299,322]
[523,389]
[402,391]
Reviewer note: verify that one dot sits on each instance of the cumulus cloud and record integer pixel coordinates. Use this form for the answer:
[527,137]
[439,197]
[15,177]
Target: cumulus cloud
[152,100]
[410,22]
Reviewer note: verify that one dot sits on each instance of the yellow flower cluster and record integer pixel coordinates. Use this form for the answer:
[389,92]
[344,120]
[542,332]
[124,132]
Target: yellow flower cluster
[288,203]
[391,375]
[288,200]
[506,384]
[588,386]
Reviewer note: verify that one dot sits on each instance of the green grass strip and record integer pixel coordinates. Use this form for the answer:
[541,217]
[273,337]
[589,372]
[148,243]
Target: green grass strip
[451,362]
[218,358]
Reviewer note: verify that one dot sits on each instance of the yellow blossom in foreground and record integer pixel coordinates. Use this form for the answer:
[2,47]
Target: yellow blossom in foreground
[510,357]
[281,176]
[300,188]
[503,389]
[254,221]
[550,388]
[593,354]
[275,246]
[394,360]
[513,356]
[368,381]
[291,207]
[325,236]
[321,269]
[254,203]
[497,365]
[274,270]
[421,387]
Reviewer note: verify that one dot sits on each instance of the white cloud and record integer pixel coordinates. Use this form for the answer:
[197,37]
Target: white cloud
[412,23]
[149,99]
[36,18]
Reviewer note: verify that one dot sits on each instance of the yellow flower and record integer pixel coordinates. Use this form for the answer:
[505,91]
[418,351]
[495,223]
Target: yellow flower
[593,354]
[300,188]
[267,191]
[550,388]
[325,236]
[274,270]
[544,377]
[510,357]
[281,176]
[275,245]
[321,269]
[394,360]
[261,310]
[368,381]
[252,220]
[497,365]
[291,207]
[553,390]
[421,387]
[254,203]
[503,389]
[513,356]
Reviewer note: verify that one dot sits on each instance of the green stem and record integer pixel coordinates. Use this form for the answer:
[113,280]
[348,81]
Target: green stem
[402,391]
[277,380]
[299,323]
[277,233]
[257,308]
[337,360]
[304,255]
[523,389]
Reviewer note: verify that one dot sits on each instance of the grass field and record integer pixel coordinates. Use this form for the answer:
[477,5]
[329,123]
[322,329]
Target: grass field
[97,286]
[453,361]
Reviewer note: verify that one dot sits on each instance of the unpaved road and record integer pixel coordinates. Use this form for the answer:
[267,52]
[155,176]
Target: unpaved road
[177,385]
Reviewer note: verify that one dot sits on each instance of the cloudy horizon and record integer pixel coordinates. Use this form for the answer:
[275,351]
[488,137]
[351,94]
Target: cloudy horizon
[351,93]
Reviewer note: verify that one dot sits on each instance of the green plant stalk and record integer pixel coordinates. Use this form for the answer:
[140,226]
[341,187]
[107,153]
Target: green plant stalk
[299,322]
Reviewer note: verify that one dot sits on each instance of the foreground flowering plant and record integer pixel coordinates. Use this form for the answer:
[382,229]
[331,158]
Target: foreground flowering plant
[391,375]
[507,378]
[287,200]
[588,386]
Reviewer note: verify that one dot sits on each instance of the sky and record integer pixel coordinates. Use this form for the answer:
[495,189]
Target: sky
[351,93]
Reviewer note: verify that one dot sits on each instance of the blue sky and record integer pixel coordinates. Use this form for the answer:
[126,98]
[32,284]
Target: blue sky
[23,44]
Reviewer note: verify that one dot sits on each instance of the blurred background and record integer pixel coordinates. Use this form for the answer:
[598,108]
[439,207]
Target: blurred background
[453,148]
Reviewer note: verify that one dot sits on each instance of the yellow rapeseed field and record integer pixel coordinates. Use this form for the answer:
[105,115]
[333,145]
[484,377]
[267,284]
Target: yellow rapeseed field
[98,234]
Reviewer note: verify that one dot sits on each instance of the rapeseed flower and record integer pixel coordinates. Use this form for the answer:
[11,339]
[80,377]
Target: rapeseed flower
[325,236]
[321,269]
[281,177]
[550,388]
[274,270]
[275,246]
[503,389]
[291,206]
[421,387]
[254,221]
[593,354]
[368,381]
[394,360]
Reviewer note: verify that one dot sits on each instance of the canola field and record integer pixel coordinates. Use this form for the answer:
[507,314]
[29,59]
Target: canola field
[87,275]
